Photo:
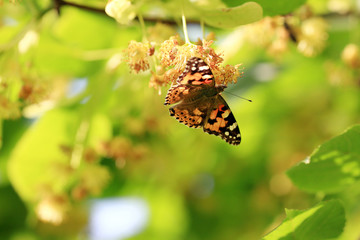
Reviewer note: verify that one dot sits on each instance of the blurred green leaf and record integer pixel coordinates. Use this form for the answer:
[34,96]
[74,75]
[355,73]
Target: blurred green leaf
[232,17]
[32,161]
[53,57]
[270,8]
[12,212]
[100,130]
[324,221]
[76,27]
[332,167]
[67,49]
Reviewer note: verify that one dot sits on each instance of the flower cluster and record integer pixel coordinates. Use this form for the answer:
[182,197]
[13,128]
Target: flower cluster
[121,149]
[137,56]
[269,33]
[351,55]
[274,33]
[173,55]
[29,90]
[312,36]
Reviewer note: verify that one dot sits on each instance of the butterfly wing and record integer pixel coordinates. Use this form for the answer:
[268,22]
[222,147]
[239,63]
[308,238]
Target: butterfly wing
[196,74]
[177,93]
[200,105]
[192,115]
[220,121]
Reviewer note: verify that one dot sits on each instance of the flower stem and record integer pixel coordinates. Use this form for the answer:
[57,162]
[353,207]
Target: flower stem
[202,24]
[1,133]
[184,25]
[142,24]
[80,137]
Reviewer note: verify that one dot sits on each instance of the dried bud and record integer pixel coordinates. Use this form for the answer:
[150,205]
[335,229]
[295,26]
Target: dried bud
[79,192]
[90,155]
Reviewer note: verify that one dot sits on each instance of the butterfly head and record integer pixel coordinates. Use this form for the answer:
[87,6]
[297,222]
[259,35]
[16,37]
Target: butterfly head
[220,87]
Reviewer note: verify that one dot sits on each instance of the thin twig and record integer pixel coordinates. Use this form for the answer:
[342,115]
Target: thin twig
[60,3]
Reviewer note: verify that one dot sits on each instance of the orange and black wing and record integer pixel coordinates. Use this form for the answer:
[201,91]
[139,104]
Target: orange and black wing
[196,73]
[221,122]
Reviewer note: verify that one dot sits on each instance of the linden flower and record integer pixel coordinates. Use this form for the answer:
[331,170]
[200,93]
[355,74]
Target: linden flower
[156,81]
[52,209]
[117,148]
[34,91]
[269,33]
[94,185]
[8,109]
[312,36]
[172,54]
[261,32]
[121,10]
[171,75]
[351,55]
[159,80]
[160,32]
[280,43]
[137,56]
[228,74]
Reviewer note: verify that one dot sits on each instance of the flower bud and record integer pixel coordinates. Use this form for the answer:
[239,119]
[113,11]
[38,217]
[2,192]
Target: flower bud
[351,55]
[122,10]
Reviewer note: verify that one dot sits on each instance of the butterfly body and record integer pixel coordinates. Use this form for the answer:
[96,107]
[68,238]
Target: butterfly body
[199,102]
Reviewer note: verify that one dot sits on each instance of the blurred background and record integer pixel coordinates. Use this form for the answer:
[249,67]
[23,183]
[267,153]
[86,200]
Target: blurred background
[89,151]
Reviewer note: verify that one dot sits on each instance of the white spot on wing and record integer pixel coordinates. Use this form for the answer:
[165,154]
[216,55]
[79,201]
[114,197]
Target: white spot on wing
[232,127]
[203,68]
[207,76]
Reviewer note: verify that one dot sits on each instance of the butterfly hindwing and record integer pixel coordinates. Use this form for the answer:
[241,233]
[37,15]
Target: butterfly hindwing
[192,116]
[176,94]
[221,122]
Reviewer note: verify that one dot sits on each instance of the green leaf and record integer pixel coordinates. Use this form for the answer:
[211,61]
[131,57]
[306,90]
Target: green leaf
[325,220]
[100,130]
[332,167]
[33,160]
[55,58]
[67,48]
[271,8]
[77,27]
[232,17]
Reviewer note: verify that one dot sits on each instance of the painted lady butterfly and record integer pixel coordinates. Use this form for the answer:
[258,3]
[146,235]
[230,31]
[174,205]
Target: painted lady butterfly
[200,103]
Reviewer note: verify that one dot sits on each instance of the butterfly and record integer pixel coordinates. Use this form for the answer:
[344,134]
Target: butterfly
[199,102]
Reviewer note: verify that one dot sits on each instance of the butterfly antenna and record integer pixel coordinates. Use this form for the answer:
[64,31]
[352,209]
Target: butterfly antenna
[249,100]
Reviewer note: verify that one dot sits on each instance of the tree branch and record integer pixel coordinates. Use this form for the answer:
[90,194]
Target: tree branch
[60,3]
